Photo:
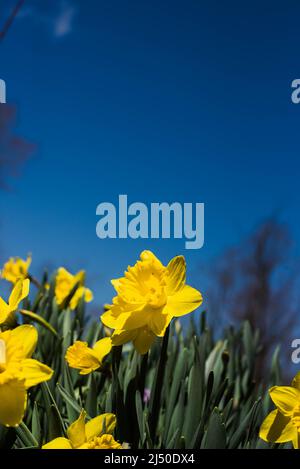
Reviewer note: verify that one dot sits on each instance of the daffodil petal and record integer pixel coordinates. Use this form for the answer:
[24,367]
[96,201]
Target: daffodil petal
[276,428]
[177,275]
[120,337]
[79,277]
[296,440]
[143,340]
[116,283]
[4,311]
[296,381]
[19,292]
[15,296]
[35,372]
[102,348]
[26,335]
[183,302]
[58,443]
[79,293]
[76,431]
[149,256]
[128,320]
[285,398]
[13,399]
[88,295]
[25,288]
[158,322]
[95,426]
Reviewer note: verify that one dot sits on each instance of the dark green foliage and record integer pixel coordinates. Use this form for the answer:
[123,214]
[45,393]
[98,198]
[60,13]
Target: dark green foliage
[202,392]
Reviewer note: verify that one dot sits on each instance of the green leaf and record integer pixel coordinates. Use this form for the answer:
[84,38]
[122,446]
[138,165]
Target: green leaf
[216,434]
[69,399]
[140,417]
[55,420]
[26,437]
[39,319]
[241,430]
[91,399]
[36,424]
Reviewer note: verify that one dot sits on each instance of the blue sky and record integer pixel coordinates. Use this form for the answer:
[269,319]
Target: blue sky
[163,101]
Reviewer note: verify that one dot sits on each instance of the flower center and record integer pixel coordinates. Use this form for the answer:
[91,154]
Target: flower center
[296,417]
[2,356]
[96,443]
[103,442]
[156,295]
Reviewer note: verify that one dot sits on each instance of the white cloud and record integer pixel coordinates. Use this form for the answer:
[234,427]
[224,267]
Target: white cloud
[63,23]
[59,23]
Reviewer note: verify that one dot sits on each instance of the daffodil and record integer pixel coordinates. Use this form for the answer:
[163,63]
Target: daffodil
[148,297]
[8,310]
[15,269]
[283,424]
[87,359]
[95,434]
[65,282]
[18,372]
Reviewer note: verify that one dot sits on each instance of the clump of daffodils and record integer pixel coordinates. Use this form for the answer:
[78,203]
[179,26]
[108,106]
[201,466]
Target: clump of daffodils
[137,378]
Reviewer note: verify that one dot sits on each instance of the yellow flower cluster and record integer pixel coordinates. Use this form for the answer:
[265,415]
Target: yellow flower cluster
[148,297]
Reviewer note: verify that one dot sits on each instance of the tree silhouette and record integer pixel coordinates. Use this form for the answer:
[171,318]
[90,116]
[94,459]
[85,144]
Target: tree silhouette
[258,281]
[14,150]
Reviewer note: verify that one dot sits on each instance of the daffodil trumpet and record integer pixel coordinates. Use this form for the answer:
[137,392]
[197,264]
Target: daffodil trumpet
[88,359]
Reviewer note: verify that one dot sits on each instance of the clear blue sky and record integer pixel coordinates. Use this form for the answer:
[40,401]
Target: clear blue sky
[161,100]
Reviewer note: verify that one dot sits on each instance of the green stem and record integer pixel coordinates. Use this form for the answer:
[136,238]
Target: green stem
[34,281]
[158,385]
[142,377]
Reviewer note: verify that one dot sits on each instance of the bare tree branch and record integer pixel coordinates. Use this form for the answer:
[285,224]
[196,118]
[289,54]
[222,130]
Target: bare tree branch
[257,281]
[10,19]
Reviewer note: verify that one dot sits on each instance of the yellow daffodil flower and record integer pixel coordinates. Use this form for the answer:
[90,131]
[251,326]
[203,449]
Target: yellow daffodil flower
[65,282]
[8,310]
[148,297]
[283,424]
[87,359]
[15,269]
[18,372]
[95,434]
